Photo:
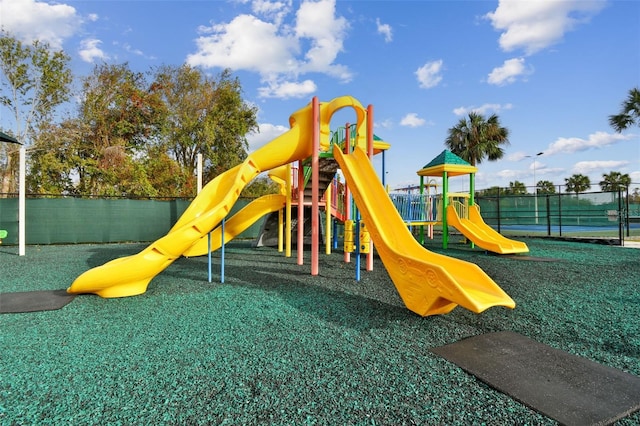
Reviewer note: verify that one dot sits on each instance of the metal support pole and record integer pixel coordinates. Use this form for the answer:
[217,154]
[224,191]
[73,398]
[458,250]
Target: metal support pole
[315,188]
[300,213]
[22,203]
[347,193]
[370,155]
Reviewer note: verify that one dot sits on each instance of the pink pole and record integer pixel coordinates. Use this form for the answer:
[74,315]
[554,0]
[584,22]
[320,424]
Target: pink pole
[347,193]
[370,154]
[315,191]
[300,213]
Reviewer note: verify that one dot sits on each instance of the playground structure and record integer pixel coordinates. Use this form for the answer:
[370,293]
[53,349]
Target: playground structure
[428,283]
[456,209]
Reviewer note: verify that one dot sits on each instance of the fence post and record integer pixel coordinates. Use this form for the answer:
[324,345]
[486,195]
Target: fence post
[621,217]
[627,211]
[560,213]
[548,216]
[499,214]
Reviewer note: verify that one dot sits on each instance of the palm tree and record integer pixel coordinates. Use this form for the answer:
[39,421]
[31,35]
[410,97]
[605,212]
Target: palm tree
[517,188]
[475,138]
[546,187]
[615,181]
[577,183]
[629,114]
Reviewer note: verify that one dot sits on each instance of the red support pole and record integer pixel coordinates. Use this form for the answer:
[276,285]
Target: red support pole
[315,187]
[300,213]
[370,154]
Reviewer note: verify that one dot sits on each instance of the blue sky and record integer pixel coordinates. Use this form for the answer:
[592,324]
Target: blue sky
[553,71]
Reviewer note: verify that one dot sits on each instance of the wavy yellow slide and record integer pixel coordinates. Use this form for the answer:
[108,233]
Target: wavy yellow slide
[482,235]
[238,223]
[428,283]
[131,275]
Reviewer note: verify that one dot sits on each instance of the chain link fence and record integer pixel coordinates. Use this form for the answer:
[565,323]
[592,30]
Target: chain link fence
[605,215]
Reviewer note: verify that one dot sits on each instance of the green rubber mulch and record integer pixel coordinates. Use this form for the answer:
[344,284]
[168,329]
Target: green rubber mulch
[274,345]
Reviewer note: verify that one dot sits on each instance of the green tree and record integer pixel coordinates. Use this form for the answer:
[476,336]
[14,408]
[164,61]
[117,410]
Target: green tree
[166,176]
[35,81]
[546,187]
[205,116]
[493,191]
[517,188]
[615,181]
[53,158]
[629,112]
[261,185]
[577,183]
[475,138]
[123,117]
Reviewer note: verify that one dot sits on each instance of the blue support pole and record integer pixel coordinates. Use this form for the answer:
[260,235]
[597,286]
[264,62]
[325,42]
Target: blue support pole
[209,253]
[356,240]
[222,254]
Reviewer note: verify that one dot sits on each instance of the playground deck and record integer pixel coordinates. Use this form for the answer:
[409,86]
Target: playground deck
[275,345]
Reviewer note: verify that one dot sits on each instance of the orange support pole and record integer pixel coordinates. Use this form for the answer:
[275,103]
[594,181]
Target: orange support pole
[370,155]
[315,187]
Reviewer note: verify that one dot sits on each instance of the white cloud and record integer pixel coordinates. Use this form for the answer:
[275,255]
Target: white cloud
[510,174]
[412,120]
[429,74]
[482,109]
[274,10]
[587,167]
[536,25]
[383,124]
[245,43]
[317,21]
[30,20]
[509,72]
[287,89]
[274,49]
[385,30]
[90,50]
[268,132]
[596,140]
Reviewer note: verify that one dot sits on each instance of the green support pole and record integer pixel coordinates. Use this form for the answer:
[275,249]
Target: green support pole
[421,226]
[472,182]
[445,204]
[472,189]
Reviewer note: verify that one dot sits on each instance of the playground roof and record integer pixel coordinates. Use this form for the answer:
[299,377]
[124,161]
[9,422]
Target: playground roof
[448,162]
[6,138]
[379,145]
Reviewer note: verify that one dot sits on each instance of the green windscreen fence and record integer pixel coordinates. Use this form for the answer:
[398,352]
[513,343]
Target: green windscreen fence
[79,220]
[606,214]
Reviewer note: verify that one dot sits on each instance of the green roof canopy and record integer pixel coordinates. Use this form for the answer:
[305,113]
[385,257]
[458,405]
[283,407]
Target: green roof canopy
[448,162]
[6,138]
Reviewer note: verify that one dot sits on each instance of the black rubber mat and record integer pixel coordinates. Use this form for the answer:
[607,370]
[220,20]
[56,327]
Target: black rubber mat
[567,388]
[34,301]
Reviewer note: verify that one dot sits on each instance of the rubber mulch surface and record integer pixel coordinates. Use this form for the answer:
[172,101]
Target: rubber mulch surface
[275,345]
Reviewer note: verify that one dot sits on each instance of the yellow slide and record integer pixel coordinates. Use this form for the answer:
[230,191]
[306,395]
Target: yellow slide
[131,275]
[428,283]
[476,230]
[238,223]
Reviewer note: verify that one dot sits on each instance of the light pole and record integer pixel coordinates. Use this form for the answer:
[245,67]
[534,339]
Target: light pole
[535,184]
